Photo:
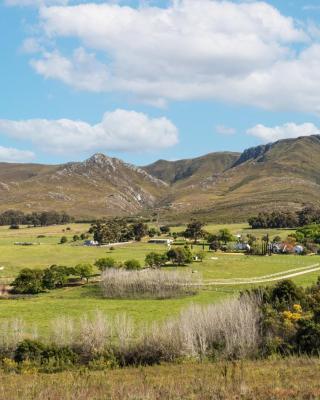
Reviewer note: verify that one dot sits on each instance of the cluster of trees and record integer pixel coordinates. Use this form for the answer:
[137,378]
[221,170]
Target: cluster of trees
[308,233]
[117,230]
[290,319]
[34,281]
[176,256]
[110,263]
[281,219]
[45,218]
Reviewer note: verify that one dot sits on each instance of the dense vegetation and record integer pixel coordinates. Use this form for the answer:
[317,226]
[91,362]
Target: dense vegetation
[34,281]
[45,218]
[117,230]
[280,219]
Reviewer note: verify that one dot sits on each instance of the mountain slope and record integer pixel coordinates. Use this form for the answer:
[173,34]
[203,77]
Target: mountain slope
[218,186]
[284,174]
[192,169]
[98,186]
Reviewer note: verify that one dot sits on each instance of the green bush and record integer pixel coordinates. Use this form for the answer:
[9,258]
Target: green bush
[63,240]
[104,263]
[29,350]
[132,264]
[29,281]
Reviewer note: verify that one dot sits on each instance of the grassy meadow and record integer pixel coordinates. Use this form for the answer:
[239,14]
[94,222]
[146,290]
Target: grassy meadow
[76,301]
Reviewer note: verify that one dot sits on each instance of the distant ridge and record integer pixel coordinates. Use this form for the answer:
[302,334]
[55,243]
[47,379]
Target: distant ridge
[221,186]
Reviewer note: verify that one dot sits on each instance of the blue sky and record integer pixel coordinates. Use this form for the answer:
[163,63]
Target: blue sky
[158,79]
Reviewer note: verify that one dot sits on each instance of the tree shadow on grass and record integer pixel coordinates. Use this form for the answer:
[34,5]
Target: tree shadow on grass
[92,290]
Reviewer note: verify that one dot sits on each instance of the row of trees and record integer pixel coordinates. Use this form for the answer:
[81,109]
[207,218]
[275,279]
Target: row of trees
[175,256]
[281,219]
[33,281]
[45,218]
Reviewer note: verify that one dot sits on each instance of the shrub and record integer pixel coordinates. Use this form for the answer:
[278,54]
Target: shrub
[29,350]
[132,264]
[180,256]
[155,260]
[308,337]
[84,270]
[147,283]
[104,263]
[55,276]
[63,239]
[29,281]
[14,226]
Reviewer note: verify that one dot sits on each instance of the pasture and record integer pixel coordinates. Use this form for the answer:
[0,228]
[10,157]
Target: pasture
[76,301]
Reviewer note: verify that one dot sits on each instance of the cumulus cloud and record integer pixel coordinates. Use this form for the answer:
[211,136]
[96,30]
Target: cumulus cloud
[119,130]
[243,52]
[288,130]
[225,130]
[9,154]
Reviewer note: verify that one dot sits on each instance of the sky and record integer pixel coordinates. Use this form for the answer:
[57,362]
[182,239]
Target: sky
[143,80]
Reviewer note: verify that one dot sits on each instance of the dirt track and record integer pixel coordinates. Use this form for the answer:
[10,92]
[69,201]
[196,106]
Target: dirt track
[266,278]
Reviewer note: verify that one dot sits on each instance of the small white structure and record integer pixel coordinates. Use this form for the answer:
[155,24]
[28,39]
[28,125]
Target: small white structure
[242,246]
[90,243]
[298,249]
[161,241]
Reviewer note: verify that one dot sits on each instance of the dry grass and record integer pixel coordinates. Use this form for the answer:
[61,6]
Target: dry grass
[150,283]
[294,378]
[229,330]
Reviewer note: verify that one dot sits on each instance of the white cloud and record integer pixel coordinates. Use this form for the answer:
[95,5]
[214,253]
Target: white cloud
[34,3]
[9,154]
[243,52]
[119,130]
[288,130]
[225,130]
[31,45]
[81,71]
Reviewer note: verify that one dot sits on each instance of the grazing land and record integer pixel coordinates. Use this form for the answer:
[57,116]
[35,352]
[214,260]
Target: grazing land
[42,309]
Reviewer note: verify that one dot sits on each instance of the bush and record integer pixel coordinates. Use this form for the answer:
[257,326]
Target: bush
[29,281]
[63,240]
[14,226]
[308,337]
[84,270]
[29,350]
[180,256]
[155,260]
[104,263]
[132,264]
[147,283]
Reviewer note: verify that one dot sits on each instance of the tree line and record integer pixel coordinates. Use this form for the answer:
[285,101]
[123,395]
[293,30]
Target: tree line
[285,219]
[44,218]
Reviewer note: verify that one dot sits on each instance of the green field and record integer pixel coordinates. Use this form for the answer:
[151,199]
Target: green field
[74,302]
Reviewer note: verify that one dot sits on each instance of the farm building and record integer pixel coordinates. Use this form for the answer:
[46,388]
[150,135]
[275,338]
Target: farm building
[161,241]
[90,243]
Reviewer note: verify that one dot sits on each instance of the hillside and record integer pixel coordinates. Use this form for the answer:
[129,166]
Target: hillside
[222,186]
[193,169]
[98,186]
[284,174]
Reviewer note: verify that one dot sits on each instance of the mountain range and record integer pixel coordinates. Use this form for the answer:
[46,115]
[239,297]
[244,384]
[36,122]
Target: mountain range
[221,186]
